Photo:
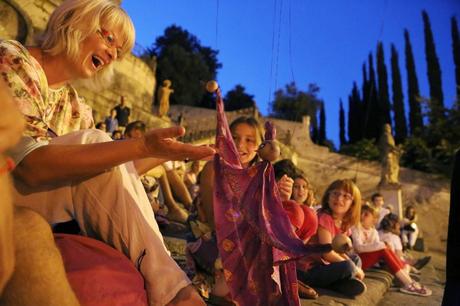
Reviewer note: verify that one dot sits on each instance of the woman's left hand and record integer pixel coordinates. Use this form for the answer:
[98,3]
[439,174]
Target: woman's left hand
[285,187]
[162,143]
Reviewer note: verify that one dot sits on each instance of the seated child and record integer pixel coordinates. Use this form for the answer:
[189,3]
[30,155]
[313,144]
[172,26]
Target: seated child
[371,250]
[409,227]
[381,211]
[341,204]
[302,192]
[390,230]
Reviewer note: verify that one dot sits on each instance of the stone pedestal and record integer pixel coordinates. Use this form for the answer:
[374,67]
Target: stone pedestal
[392,195]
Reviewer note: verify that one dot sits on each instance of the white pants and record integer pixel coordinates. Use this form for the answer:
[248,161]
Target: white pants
[114,208]
[410,237]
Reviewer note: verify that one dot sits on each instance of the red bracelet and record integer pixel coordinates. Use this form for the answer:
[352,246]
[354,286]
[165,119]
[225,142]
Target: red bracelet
[8,166]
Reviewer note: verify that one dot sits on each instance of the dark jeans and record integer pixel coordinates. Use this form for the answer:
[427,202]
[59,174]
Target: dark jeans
[326,275]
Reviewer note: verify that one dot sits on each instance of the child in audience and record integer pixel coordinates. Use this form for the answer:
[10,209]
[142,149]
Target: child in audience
[340,210]
[389,234]
[202,249]
[367,244]
[378,203]
[409,227]
[297,211]
[190,179]
[390,231]
[302,191]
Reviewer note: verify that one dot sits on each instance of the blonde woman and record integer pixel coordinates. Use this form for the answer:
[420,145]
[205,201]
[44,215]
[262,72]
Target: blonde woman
[67,170]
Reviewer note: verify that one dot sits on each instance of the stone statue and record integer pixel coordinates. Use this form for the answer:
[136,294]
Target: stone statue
[390,154]
[163,98]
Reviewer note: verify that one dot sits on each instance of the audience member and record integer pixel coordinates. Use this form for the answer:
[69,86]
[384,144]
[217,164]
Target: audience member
[378,204]
[341,272]
[367,244]
[136,130]
[101,126]
[306,229]
[409,227]
[65,170]
[302,192]
[112,121]
[122,112]
[31,268]
[191,179]
[117,135]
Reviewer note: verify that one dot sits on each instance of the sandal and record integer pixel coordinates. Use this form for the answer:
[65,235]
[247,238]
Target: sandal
[307,292]
[416,289]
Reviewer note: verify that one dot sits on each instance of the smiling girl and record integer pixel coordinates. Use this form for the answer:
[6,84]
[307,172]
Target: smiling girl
[341,205]
[302,192]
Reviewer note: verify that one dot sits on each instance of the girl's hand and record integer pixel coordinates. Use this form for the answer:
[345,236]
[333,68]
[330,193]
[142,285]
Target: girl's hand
[359,273]
[285,187]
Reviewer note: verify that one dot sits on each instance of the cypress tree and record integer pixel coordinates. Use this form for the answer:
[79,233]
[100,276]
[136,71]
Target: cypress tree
[434,73]
[383,94]
[398,98]
[322,124]
[364,100]
[456,51]
[415,112]
[372,128]
[342,124]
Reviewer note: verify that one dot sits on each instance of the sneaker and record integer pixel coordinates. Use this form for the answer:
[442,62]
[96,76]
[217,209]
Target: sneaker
[422,262]
[350,287]
[416,289]
[414,270]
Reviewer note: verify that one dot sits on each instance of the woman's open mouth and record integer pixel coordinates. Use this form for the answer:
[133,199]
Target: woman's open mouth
[97,62]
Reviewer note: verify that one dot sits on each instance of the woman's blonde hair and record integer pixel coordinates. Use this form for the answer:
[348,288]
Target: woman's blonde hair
[352,217]
[74,20]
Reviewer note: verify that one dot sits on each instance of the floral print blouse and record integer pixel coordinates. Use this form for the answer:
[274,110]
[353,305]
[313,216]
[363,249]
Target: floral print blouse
[48,112]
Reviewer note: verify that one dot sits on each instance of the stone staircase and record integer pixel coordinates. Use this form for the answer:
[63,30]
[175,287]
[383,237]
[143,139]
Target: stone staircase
[380,289]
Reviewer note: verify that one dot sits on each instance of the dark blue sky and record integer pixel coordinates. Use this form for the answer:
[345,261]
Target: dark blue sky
[265,44]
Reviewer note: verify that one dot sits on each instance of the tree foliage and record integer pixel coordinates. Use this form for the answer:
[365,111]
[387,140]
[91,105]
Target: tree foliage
[434,73]
[383,93]
[292,104]
[342,133]
[371,123]
[398,98]
[456,51]
[322,125]
[415,110]
[182,59]
[362,149]
[237,98]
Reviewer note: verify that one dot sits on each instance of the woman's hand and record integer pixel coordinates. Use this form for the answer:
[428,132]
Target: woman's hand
[285,187]
[162,143]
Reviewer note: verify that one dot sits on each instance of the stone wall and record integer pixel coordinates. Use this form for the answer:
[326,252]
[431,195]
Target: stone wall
[429,193]
[24,19]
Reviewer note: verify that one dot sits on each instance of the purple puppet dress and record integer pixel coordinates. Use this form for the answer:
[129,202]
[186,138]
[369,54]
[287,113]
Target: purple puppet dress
[255,239]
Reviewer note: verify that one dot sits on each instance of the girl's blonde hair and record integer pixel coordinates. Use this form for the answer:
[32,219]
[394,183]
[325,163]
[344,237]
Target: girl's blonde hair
[310,200]
[74,20]
[252,122]
[352,217]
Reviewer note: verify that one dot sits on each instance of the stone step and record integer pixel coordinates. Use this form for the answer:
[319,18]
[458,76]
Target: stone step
[433,276]
[377,282]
